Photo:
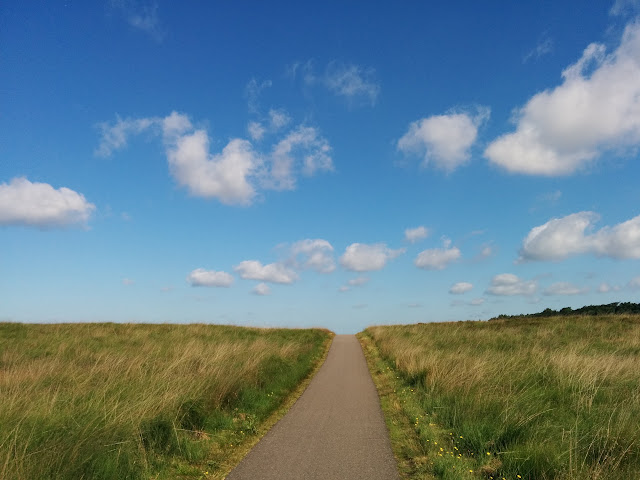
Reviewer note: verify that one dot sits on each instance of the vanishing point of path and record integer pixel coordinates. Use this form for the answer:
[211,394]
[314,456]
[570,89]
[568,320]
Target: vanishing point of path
[335,431]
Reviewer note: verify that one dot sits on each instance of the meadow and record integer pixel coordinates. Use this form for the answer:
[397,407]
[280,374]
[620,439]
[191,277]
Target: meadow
[554,398]
[122,401]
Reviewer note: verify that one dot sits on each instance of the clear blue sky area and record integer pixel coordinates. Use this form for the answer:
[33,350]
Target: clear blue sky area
[334,164]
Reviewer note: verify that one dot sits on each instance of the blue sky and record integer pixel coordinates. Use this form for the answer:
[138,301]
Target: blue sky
[317,164]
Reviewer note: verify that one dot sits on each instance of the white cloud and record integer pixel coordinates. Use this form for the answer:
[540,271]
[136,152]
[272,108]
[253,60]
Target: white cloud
[486,251]
[437,258]
[234,175]
[174,125]
[256,130]
[634,284]
[314,254]
[625,7]
[460,288]
[273,272]
[209,278]
[415,234]
[225,176]
[444,140]
[596,109]
[564,288]
[252,92]
[361,257]
[314,150]
[560,238]
[40,205]
[476,302]
[261,289]
[509,285]
[606,288]
[356,282]
[278,119]
[114,137]
[127,281]
[352,82]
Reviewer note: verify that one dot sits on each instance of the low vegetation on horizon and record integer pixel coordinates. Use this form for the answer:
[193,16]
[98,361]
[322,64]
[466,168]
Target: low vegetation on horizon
[548,398]
[116,401]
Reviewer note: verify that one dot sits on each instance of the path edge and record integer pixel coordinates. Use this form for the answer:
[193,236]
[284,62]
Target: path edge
[238,455]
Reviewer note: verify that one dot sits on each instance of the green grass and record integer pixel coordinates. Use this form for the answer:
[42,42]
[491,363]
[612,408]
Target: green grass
[115,401]
[554,398]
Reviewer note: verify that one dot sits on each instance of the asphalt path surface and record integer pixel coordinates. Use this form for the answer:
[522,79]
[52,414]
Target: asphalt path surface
[334,431]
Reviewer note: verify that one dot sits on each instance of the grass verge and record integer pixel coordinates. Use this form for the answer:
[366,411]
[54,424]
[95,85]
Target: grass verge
[544,399]
[115,401]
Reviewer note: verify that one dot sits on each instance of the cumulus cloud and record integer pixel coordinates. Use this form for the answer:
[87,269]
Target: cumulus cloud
[460,288]
[361,257]
[564,288]
[127,281]
[634,284]
[37,204]
[560,238]
[352,82]
[234,175]
[313,254]
[225,176]
[596,109]
[476,302]
[209,278]
[414,235]
[444,140]
[507,284]
[437,258]
[273,272]
[261,289]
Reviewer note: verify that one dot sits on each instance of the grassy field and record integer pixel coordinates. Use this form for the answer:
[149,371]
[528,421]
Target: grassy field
[553,398]
[114,401]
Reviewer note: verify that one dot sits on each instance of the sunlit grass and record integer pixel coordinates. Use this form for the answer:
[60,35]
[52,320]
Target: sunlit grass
[555,398]
[113,401]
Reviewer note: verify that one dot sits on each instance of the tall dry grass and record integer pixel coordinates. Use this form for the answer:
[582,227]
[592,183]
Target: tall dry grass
[114,401]
[555,398]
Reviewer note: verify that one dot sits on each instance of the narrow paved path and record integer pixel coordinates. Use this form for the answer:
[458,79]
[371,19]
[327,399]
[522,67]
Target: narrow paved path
[334,431]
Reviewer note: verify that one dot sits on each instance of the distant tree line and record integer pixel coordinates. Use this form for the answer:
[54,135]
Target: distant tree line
[615,308]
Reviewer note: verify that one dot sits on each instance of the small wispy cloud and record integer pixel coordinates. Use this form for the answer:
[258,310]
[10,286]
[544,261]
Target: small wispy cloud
[544,46]
[141,16]
[625,8]
[355,83]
